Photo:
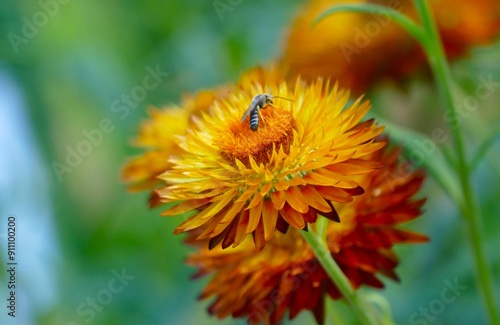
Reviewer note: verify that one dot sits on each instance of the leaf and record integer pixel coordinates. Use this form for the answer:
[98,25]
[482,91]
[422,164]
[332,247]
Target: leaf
[434,162]
[483,149]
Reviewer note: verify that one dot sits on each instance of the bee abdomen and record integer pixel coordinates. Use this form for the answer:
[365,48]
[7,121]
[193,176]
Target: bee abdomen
[254,120]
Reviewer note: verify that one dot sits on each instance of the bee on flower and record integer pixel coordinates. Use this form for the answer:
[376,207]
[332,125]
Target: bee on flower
[232,181]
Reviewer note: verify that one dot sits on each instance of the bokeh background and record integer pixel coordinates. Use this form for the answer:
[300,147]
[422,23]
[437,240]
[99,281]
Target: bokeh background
[75,231]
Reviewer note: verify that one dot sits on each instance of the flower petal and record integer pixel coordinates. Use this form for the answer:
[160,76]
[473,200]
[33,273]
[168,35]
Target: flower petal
[278,198]
[269,217]
[296,200]
[293,217]
[315,199]
[185,207]
[255,216]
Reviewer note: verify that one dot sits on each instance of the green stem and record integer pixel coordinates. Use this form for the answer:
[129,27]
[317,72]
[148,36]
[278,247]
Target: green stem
[395,15]
[468,206]
[324,256]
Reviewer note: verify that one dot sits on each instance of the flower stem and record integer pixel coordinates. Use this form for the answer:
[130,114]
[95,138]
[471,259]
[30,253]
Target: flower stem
[354,298]
[468,204]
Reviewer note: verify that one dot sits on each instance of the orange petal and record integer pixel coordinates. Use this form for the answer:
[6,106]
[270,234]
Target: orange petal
[293,217]
[315,199]
[296,200]
[228,217]
[190,224]
[334,194]
[185,207]
[248,193]
[231,234]
[278,198]
[258,236]
[269,217]
[315,178]
[354,167]
[332,215]
[214,208]
[296,181]
[337,179]
[255,216]
[208,230]
[281,185]
[241,229]
[257,198]
[266,188]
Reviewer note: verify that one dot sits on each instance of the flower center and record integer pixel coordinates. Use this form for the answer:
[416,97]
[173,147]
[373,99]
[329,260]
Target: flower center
[237,141]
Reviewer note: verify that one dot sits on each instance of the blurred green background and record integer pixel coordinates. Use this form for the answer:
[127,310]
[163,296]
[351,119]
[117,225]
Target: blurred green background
[60,78]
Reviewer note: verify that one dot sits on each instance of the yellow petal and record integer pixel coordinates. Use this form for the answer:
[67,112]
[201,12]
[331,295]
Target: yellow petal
[214,208]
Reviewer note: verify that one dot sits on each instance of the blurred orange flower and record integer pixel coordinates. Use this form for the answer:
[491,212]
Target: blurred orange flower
[261,286]
[361,50]
[234,181]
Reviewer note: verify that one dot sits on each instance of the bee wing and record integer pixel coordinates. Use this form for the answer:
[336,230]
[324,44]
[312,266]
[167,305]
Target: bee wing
[248,111]
[250,108]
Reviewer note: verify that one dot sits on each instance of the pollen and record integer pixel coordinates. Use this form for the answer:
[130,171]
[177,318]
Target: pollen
[236,141]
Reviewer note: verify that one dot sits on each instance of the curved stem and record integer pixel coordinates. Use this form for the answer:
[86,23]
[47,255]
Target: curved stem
[324,256]
[395,15]
[468,205]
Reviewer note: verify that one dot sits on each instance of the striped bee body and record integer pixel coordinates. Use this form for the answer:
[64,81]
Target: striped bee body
[258,102]
[254,119]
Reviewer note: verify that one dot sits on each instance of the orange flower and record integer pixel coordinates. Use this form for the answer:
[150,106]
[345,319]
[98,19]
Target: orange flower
[261,286]
[361,49]
[304,156]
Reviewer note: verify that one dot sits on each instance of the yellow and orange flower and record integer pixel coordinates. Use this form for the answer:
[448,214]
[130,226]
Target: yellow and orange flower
[304,156]
[157,135]
[285,275]
[362,50]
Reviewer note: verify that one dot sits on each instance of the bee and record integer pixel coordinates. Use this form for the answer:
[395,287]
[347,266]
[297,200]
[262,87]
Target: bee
[259,102]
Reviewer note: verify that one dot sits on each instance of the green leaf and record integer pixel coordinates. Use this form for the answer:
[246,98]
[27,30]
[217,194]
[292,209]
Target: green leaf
[483,149]
[432,157]
[409,25]
[377,299]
